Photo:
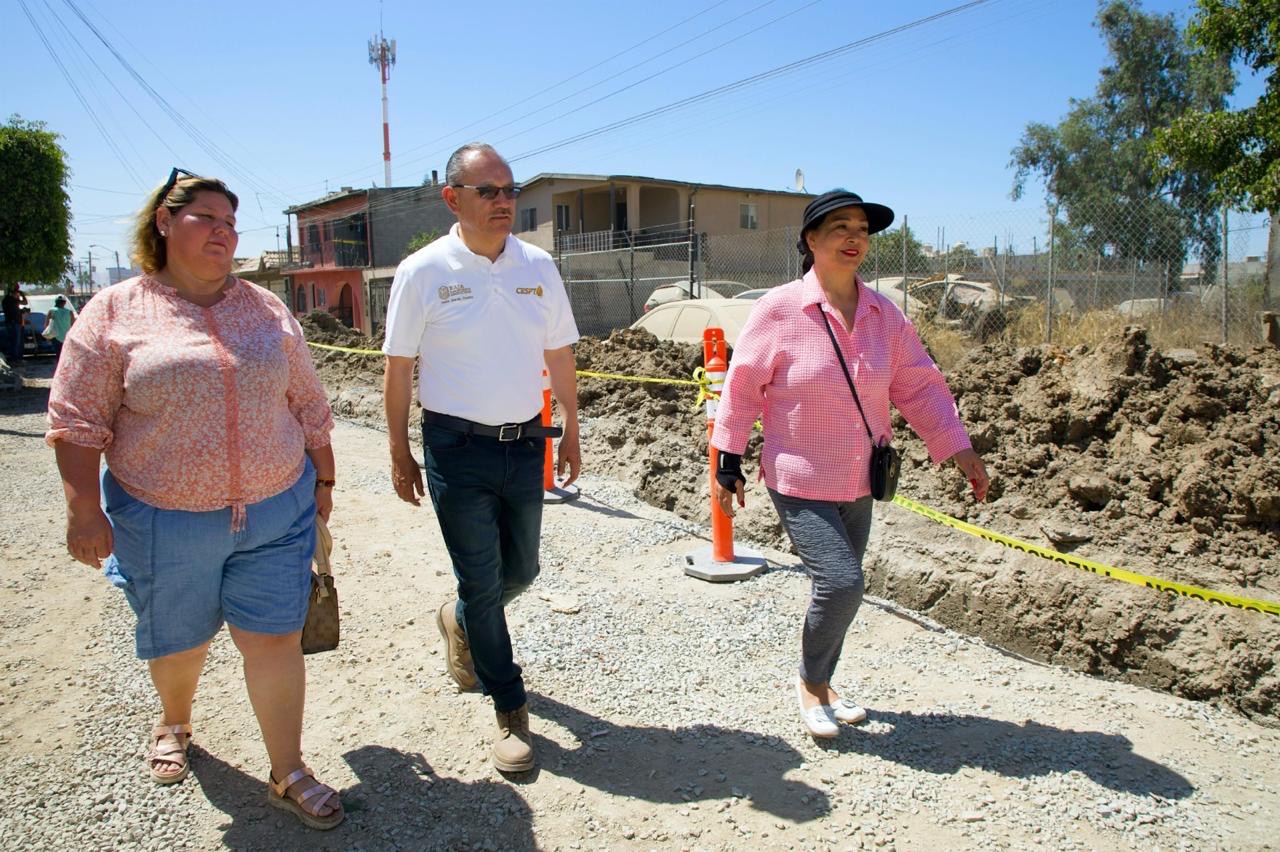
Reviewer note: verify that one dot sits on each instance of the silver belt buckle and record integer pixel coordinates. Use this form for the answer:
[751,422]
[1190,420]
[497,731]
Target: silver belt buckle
[513,435]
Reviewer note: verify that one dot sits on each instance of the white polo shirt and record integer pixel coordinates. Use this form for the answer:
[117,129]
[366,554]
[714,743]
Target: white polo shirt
[481,327]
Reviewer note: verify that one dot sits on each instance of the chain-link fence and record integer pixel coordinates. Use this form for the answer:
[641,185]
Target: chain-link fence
[1028,276]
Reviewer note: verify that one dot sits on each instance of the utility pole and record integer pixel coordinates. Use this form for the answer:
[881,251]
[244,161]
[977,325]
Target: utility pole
[382,53]
[93,246]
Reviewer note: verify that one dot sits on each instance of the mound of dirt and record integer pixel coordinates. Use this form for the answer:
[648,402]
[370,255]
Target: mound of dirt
[1181,448]
[354,379]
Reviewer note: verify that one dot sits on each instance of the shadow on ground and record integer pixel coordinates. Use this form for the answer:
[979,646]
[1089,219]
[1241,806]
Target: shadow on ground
[399,802]
[696,763]
[943,744]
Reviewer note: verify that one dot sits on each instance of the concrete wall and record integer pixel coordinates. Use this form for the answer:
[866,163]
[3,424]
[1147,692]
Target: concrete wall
[717,212]
[398,214]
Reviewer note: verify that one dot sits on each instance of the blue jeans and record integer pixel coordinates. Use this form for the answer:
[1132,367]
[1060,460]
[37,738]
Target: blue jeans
[184,573]
[488,499]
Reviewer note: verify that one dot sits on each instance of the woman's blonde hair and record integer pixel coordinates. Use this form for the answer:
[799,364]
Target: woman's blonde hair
[148,247]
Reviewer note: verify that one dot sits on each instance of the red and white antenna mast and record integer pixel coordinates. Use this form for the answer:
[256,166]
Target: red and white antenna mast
[383,54]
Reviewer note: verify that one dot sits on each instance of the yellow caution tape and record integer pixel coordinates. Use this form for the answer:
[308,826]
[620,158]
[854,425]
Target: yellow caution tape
[344,349]
[704,388]
[1172,588]
[699,377]
[623,378]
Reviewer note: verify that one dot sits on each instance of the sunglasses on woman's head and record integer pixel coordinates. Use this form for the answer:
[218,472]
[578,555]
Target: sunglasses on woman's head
[173,180]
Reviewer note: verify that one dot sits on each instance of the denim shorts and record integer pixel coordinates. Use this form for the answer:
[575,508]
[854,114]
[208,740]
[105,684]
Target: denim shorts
[184,573]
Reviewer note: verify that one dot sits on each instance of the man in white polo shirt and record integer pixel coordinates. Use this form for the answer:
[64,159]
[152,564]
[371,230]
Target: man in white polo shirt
[484,312]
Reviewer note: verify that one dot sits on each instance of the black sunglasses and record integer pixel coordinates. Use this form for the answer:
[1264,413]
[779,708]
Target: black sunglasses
[173,180]
[490,192]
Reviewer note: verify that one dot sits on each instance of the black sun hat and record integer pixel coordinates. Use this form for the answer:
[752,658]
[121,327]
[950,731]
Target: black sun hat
[879,217]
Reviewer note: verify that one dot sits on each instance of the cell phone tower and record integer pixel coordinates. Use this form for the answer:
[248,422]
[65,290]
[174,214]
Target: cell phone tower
[382,53]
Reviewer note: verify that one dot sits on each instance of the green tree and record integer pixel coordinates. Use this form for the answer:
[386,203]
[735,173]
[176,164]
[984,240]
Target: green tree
[1096,163]
[1239,150]
[885,256]
[419,240]
[35,210]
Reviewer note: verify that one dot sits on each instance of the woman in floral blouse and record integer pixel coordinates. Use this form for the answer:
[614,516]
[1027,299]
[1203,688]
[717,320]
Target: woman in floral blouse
[199,389]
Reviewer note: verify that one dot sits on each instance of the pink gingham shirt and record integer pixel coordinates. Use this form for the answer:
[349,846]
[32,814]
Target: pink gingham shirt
[197,408]
[784,367]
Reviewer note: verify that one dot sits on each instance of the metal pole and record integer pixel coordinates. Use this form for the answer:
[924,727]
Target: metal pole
[904,232]
[1164,292]
[1048,296]
[90,287]
[1133,285]
[691,236]
[946,267]
[631,291]
[877,252]
[1224,276]
[1097,270]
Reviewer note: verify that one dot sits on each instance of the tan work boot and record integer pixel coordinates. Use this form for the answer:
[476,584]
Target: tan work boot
[513,747]
[457,656]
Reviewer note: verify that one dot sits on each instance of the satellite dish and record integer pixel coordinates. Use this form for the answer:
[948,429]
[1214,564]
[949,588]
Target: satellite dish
[799,180]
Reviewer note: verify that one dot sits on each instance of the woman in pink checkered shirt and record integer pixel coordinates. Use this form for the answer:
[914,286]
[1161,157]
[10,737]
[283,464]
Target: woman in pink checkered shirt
[199,390]
[816,453]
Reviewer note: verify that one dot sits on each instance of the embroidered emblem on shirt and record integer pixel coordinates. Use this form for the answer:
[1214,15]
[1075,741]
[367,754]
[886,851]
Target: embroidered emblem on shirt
[526,291]
[454,292]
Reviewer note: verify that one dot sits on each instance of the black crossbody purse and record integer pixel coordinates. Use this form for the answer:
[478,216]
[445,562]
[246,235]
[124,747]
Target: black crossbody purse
[886,462]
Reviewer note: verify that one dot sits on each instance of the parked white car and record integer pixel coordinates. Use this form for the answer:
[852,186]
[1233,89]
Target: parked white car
[685,320]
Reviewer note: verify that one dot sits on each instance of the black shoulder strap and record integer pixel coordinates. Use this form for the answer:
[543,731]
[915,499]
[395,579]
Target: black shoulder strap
[844,367]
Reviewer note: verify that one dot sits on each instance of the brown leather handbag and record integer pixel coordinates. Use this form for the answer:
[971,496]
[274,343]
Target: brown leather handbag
[320,632]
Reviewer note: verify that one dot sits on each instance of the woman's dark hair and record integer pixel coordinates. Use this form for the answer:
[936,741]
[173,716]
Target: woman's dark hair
[148,247]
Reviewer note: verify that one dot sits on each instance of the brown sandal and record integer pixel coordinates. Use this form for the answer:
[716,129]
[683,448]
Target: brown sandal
[276,797]
[165,748]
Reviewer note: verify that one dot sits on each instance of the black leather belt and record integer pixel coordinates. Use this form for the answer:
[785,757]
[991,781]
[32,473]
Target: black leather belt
[531,428]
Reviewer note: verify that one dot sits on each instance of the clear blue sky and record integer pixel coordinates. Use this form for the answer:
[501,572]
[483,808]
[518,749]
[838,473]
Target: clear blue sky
[279,98]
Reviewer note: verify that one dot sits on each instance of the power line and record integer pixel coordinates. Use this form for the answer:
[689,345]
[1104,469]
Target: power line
[749,81]
[665,70]
[207,144]
[662,71]
[815,78]
[541,92]
[93,116]
[403,198]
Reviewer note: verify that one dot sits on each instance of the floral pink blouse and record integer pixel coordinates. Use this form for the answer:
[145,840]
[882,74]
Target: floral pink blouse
[196,408]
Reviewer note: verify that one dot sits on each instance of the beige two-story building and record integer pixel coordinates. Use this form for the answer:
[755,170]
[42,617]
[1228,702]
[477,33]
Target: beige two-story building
[574,212]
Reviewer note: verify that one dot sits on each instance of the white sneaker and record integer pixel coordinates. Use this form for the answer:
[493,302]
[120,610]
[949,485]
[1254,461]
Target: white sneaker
[845,710]
[818,720]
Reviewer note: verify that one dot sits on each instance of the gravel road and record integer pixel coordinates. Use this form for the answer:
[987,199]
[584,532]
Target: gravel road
[662,707]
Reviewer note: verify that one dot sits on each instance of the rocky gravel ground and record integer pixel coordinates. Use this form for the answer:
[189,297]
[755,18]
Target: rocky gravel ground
[662,706]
